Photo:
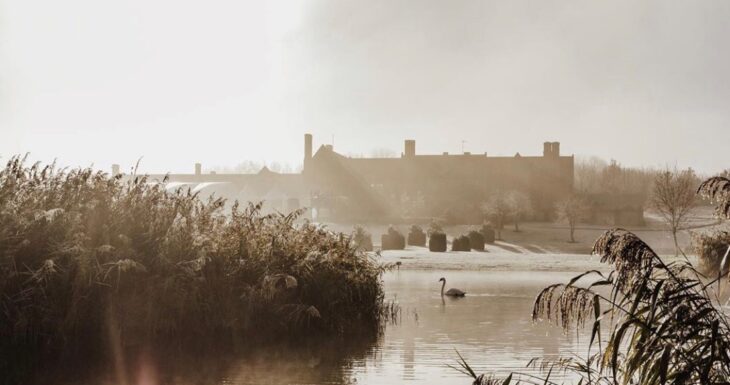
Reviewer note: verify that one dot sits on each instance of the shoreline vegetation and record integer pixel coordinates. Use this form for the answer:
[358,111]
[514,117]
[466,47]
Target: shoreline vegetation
[93,267]
[91,264]
[662,322]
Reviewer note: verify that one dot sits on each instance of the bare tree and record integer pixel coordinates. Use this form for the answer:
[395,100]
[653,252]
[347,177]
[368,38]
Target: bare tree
[673,197]
[521,207]
[498,210]
[572,210]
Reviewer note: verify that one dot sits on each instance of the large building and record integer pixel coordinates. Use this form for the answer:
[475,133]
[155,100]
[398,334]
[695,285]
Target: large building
[452,186]
[412,186]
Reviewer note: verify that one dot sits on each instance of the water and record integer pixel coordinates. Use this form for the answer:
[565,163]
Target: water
[491,327]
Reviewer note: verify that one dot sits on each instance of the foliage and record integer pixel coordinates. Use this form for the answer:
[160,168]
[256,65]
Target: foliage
[717,189]
[665,325]
[416,236]
[594,175]
[498,210]
[520,207]
[437,242]
[476,240]
[710,249]
[571,211]
[664,328]
[84,256]
[362,239]
[393,240]
[435,227]
[673,197]
[488,232]
[461,243]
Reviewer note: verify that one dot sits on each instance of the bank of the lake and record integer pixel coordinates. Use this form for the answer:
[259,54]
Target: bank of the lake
[496,258]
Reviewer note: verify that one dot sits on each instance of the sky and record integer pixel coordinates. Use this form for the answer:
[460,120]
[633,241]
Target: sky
[174,82]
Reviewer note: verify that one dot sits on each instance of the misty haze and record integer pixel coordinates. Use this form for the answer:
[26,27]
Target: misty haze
[364,192]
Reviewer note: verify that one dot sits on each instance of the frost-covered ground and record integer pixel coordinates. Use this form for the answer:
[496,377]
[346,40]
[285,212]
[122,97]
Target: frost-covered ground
[496,258]
[552,238]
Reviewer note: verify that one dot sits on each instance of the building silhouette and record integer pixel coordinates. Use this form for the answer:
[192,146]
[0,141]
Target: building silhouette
[340,188]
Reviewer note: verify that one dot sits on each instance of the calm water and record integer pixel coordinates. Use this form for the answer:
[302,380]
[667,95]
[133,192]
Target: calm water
[491,328]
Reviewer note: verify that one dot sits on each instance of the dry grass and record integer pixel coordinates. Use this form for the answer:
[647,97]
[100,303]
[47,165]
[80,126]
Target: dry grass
[87,260]
[717,189]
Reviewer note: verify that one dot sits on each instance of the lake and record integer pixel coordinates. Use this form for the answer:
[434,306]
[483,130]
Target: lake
[491,327]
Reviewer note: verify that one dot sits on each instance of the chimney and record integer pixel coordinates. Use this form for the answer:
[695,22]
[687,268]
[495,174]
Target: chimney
[307,147]
[547,149]
[115,170]
[410,148]
[198,168]
[556,149]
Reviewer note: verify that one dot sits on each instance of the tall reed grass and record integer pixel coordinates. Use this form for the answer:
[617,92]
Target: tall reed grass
[88,261]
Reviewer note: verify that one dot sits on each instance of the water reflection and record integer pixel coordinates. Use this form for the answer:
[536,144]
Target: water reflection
[490,327]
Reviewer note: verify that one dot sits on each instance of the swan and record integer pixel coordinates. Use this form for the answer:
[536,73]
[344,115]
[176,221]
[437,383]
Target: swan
[451,292]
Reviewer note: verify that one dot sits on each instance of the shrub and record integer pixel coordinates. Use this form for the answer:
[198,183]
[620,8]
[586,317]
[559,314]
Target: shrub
[476,240]
[78,249]
[416,237]
[362,239]
[461,243]
[435,227]
[437,242]
[488,233]
[393,240]
[710,249]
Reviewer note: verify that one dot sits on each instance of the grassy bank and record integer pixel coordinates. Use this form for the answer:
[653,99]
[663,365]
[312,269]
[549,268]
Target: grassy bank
[90,263]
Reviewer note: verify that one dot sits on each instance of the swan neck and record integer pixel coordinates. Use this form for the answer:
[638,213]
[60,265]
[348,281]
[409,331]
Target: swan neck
[443,284]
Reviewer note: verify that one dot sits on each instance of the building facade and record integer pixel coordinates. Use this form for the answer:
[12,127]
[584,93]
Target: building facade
[450,186]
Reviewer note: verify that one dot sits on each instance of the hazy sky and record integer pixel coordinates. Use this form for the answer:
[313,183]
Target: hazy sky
[222,81]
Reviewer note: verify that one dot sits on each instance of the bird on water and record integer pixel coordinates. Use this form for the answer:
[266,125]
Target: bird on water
[451,292]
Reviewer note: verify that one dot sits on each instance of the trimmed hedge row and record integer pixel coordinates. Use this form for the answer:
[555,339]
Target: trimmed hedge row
[393,240]
[437,242]
[416,237]
[461,243]
[476,240]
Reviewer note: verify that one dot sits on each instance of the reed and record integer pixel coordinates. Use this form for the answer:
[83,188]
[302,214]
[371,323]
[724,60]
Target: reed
[664,320]
[663,324]
[710,248]
[717,189]
[84,256]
